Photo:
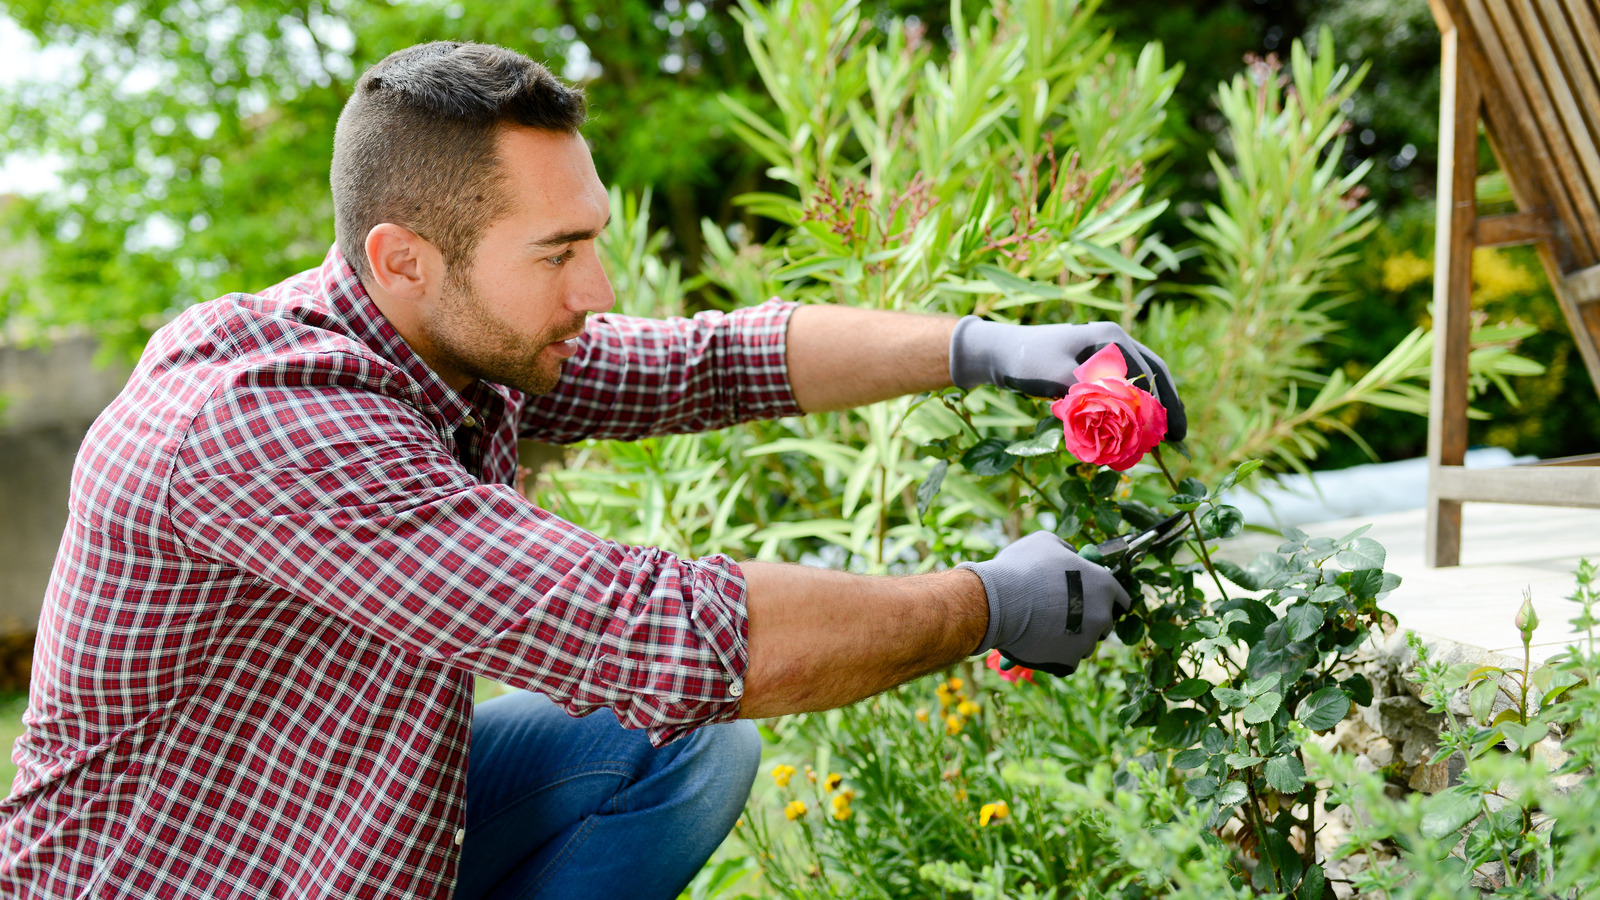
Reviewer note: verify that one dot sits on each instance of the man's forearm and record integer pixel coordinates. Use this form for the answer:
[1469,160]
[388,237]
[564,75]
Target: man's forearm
[840,357]
[821,639]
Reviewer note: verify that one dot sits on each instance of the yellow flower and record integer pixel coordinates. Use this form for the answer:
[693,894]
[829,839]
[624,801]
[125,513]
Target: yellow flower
[952,725]
[968,708]
[995,811]
[956,684]
[794,810]
[831,783]
[739,823]
[811,776]
[1401,272]
[961,795]
[922,714]
[841,804]
[782,773]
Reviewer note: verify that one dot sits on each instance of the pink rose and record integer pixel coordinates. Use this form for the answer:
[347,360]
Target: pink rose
[1108,421]
[1013,674]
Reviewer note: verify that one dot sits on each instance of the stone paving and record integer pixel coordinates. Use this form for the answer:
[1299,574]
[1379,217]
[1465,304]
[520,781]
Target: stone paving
[1505,550]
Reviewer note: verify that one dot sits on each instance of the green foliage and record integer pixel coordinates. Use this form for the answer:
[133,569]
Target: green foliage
[1086,805]
[1509,825]
[196,137]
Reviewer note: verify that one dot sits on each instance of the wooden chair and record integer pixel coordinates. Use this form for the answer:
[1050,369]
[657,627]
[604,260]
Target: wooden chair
[1530,70]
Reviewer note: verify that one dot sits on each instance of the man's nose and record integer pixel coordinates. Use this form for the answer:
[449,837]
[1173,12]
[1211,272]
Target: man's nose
[592,292]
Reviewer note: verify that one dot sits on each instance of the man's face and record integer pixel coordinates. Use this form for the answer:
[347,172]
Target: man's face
[535,275]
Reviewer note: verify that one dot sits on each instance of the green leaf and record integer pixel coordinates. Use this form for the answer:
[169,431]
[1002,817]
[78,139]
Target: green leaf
[1481,700]
[1355,534]
[1239,474]
[1214,740]
[1075,492]
[1312,885]
[1274,652]
[1139,515]
[1230,697]
[1243,760]
[1068,526]
[1263,708]
[1286,774]
[1359,689]
[1202,787]
[1223,521]
[1324,709]
[1017,288]
[1165,634]
[929,488]
[1304,621]
[1188,689]
[1449,810]
[1236,574]
[1326,594]
[1179,728]
[1191,759]
[1364,583]
[1265,570]
[989,457]
[1362,553]
[1114,260]
[1258,686]
[1105,482]
[1231,793]
[1042,444]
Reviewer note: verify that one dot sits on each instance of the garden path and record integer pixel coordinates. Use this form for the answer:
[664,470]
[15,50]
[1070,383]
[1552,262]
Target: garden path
[1504,550]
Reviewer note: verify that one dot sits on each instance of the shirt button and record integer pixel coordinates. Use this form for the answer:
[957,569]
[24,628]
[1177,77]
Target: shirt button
[736,689]
[469,422]
[461,835]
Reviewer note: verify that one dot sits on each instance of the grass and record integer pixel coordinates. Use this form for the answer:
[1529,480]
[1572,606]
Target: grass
[11,707]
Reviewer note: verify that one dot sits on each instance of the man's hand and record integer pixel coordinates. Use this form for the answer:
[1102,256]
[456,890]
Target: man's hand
[1039,359]
[1048,607]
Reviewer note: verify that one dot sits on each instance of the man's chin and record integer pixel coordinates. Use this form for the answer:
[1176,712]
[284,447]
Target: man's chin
[540,378]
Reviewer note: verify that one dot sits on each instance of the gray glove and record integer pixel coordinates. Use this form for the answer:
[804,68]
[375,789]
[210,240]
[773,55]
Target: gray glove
[1038,360]
[1048,607]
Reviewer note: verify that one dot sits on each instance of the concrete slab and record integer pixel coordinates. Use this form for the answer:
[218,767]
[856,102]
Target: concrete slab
[1505,549]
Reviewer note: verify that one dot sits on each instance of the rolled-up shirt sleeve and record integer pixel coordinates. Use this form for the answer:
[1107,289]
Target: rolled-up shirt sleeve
[362,513]
[634,377]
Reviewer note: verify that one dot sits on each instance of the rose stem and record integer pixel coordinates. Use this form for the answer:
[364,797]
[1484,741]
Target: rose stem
[1198,537]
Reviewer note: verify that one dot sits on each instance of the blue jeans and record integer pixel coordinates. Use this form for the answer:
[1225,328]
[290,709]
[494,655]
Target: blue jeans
[561,807]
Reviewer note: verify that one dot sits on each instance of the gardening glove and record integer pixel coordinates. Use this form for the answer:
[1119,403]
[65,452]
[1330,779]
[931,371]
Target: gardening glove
[1048,607]
[1038,360]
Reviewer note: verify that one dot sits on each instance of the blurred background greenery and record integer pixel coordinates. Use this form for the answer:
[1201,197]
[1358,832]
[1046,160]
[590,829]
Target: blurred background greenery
[192,143]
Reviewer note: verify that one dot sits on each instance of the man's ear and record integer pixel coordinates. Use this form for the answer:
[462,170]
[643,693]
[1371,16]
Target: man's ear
[403,263]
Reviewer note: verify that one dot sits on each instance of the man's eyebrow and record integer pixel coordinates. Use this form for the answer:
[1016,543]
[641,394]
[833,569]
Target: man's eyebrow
[569,236]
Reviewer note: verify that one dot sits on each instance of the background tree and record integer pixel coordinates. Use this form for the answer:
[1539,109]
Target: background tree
[196,137]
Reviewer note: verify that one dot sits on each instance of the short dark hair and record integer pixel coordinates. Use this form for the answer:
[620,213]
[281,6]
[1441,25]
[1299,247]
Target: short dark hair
[415,144]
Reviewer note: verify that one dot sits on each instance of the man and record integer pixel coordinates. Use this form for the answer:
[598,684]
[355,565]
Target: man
[294,541]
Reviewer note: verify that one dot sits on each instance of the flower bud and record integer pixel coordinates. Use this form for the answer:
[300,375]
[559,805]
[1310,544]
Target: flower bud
[1527,620]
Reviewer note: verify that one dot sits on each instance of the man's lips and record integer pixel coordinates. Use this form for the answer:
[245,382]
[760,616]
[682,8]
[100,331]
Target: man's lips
[566,347]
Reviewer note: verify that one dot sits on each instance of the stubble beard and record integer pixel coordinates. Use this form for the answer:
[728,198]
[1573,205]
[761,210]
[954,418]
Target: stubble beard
[468,338]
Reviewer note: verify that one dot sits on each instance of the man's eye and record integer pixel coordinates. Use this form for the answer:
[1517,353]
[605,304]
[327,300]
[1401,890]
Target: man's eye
[561,259]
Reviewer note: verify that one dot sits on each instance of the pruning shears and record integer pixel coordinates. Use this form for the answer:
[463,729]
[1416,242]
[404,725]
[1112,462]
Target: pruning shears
[1119,555]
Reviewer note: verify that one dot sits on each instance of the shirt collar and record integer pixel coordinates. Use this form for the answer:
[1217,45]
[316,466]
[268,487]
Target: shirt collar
[368,324]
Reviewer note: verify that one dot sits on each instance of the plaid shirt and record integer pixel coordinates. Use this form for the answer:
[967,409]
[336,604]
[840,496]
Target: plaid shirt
[291,546]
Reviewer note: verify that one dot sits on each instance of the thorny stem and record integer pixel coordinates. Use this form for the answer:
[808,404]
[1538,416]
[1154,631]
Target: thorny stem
[1205,557]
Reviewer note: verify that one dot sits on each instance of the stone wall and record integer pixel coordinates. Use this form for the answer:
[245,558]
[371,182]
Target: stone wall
[1399,737]
[49,395]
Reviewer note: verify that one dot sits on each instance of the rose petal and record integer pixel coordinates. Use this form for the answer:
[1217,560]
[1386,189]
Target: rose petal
[1106,363]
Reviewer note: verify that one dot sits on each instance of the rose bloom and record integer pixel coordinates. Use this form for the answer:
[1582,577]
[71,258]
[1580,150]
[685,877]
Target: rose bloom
[1106,420]
[1013,674]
